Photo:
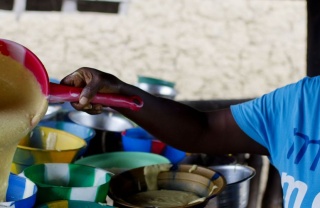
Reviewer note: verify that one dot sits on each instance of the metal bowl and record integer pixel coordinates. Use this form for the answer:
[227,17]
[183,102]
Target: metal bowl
[52,112]
[236,194]
[201,181]
[159,90]
[108,120]
[108,126]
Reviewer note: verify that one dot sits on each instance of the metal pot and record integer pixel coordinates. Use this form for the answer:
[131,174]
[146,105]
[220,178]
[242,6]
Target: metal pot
[236,193]
[108,126]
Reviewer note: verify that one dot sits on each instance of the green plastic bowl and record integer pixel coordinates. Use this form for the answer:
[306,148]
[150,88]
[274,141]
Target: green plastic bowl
[117,162]
[155,81]
[63,181]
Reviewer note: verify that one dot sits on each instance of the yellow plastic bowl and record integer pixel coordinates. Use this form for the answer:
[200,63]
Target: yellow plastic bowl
[32,148]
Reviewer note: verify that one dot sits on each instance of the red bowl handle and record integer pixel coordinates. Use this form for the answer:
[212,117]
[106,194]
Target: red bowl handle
[63,93]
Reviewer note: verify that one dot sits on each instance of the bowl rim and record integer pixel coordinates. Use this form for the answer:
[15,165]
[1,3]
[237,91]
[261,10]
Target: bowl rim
[84,144]
[106,110]
[47,122]
[235,166]
[111,155]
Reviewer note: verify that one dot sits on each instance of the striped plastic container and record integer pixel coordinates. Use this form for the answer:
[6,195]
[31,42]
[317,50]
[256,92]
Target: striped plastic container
[21,193]
[81,131]
[32,150]
[63,181]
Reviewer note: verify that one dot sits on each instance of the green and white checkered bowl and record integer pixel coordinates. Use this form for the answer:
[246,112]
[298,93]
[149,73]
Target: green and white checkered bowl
[65,181]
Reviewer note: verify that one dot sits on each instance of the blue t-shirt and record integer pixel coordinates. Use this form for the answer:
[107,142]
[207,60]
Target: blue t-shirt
[287,122]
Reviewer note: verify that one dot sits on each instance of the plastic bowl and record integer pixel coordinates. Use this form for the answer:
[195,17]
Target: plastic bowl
[138,139]
[21,193]
[81,131]
[203,182]
[72,204]
[31,149]
[62,181]
[117,162]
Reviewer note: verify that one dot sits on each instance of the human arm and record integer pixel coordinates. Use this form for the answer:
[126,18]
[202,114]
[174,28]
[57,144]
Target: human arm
[174,123]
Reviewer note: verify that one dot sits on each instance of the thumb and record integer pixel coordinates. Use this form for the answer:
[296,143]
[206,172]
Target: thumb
[88,93]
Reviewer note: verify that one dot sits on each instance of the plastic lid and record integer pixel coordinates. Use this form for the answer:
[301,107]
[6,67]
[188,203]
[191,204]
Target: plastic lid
[155,81]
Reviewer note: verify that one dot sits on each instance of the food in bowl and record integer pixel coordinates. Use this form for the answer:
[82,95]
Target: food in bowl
[163,197]
[22,106]
[160,184]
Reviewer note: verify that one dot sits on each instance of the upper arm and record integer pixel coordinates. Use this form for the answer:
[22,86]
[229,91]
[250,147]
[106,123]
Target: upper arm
[225,135]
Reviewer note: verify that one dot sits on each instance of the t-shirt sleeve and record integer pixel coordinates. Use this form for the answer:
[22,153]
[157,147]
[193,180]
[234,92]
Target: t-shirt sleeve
[264,118]
[250,117]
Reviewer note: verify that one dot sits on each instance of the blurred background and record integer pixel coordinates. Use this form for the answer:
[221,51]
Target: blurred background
[212,49]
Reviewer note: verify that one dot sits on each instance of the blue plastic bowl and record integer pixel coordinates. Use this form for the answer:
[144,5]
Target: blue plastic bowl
[21,193]
[174,155]
[139,140]
[136,139]
[83,132]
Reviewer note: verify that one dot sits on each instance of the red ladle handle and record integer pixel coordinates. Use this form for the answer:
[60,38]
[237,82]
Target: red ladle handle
[63,93]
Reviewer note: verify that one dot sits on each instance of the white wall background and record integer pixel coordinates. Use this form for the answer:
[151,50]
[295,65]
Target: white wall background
[212,49]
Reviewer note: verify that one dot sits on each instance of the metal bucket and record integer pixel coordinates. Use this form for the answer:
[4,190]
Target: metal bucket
[236,193]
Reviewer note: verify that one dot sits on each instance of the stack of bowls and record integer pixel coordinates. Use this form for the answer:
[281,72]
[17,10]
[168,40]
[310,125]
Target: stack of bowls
[32,149]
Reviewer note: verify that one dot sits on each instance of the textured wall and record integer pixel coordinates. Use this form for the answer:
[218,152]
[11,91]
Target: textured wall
[212,49]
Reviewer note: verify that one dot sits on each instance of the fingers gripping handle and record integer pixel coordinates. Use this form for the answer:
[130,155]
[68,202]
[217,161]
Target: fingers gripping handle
[63,93]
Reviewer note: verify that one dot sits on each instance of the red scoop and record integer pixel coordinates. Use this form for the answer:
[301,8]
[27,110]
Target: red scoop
[57,93]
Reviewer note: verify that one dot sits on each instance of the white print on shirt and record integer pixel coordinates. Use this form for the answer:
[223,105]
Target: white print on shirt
[302,189]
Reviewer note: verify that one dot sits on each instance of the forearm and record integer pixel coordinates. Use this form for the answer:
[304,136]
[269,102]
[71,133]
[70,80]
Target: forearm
[170,121]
